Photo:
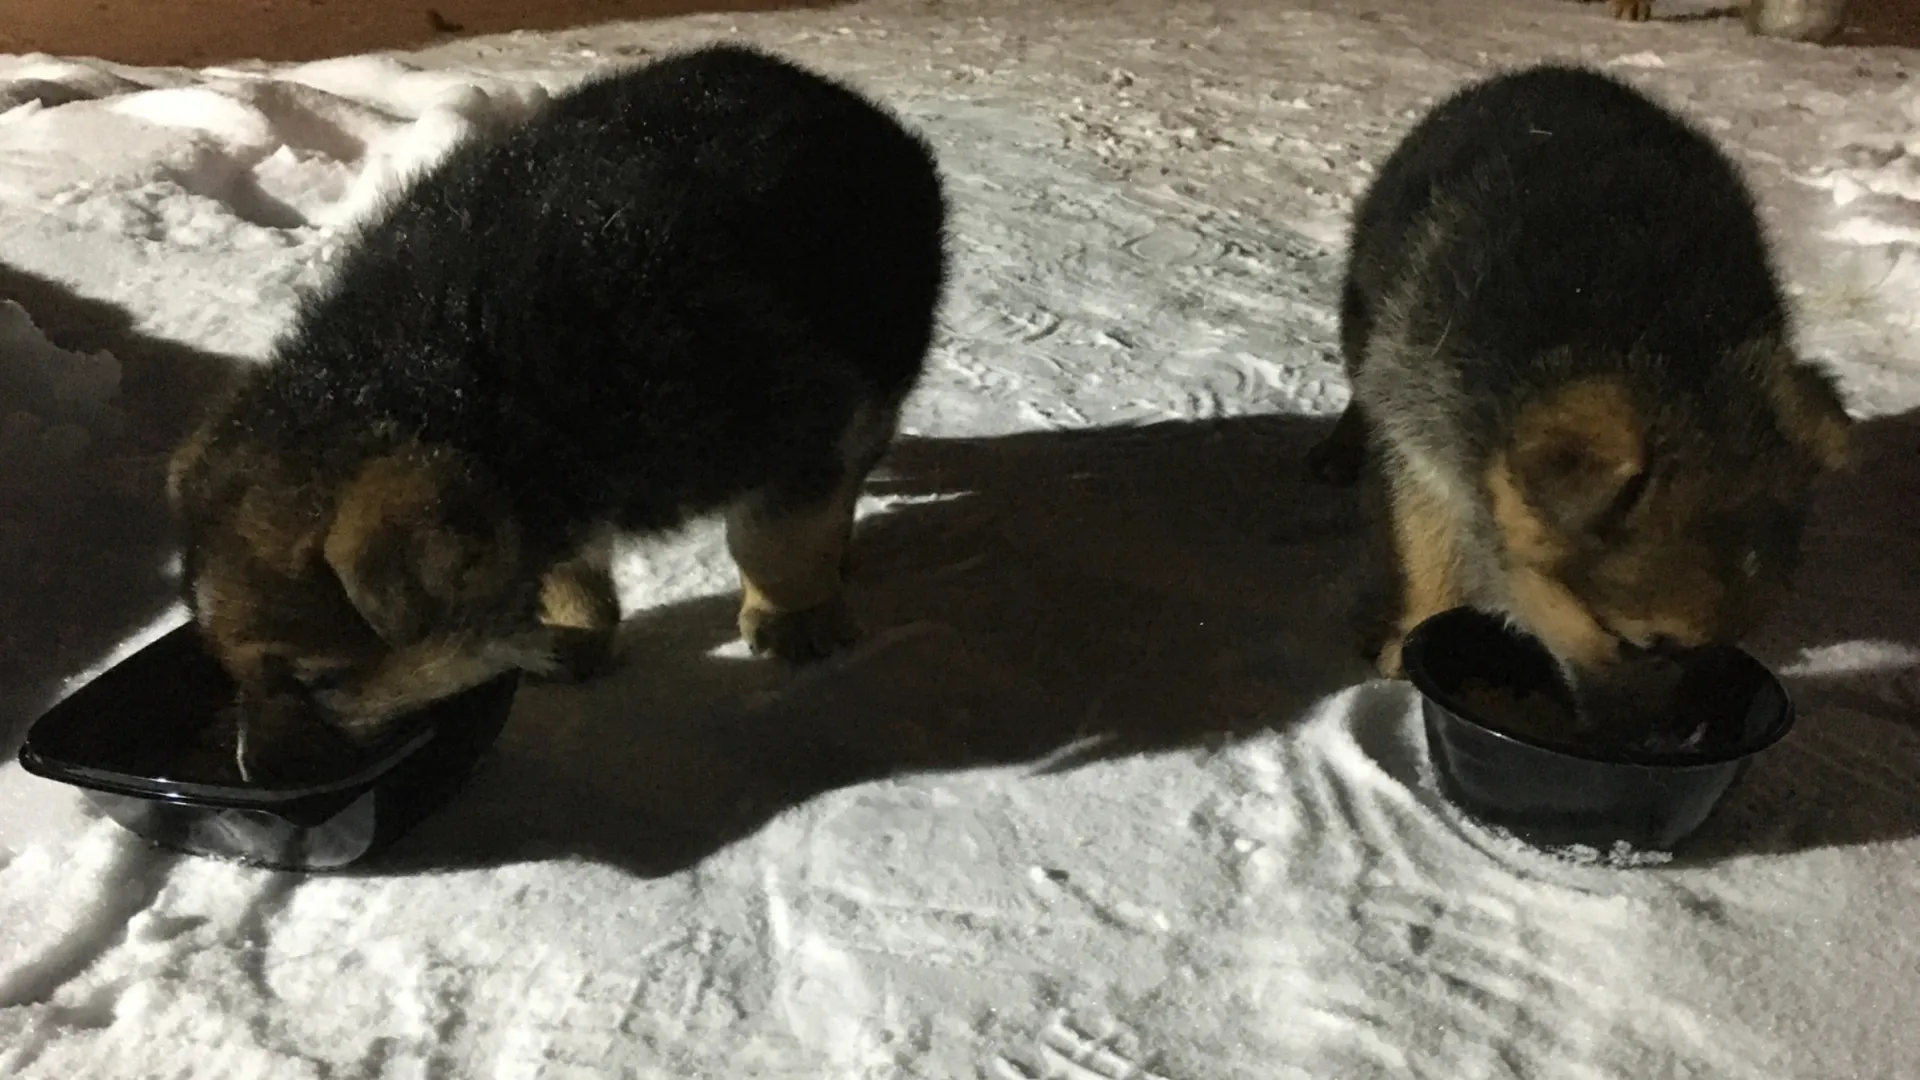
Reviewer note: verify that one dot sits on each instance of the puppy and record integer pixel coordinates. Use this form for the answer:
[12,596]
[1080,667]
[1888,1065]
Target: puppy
[1795,20]
[1629,10]
[1572,367]
[702,286]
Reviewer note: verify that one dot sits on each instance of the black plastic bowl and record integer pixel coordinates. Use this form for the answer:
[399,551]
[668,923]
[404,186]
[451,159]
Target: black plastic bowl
[115,736]
[1583,795]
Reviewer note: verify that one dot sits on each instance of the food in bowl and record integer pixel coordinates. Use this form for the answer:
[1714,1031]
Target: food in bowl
[1631,714]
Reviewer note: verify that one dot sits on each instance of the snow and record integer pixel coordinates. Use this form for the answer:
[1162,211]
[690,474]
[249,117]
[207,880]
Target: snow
[1104,794]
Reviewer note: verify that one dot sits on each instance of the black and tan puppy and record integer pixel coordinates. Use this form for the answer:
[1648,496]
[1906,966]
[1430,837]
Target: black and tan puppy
[1795,20]
[1631,10]
[702,286]
[1572,363]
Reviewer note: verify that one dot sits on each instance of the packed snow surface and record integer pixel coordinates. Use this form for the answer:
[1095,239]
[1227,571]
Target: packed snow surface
[1105,793]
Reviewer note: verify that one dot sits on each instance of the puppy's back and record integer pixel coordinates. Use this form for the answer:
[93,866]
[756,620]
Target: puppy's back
[717,171]
[817,188]
[1554,220]
[685,261]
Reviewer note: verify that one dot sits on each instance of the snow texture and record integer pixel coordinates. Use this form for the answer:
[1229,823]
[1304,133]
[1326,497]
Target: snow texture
[1105,795]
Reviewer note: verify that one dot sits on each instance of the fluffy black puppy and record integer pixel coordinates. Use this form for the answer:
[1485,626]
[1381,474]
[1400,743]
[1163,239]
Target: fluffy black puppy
[701,286]
[1573,363]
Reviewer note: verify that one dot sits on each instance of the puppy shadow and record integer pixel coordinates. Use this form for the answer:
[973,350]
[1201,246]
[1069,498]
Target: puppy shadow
[1040,601]
[86,553]
[1846,644]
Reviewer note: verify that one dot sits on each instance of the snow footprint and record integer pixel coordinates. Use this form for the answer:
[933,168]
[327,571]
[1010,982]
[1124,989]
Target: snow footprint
[1170,245]
[1069,1049]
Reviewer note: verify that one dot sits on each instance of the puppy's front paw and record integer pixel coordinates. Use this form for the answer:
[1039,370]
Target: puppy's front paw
[1387,660]
[580,655]
[1633,10]
[1380,641]
[798,636]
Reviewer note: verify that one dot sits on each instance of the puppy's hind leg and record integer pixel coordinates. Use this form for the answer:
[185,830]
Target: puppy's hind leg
[790,552]
[427,671]
[581,606]
[791,541]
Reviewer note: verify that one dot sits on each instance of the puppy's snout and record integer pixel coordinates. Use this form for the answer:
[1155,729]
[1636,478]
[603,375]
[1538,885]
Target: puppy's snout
[1662,646]
[1668,646]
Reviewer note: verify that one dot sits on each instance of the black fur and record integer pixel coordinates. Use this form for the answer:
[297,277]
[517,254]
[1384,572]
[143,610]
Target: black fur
[676,282]
[1582,214]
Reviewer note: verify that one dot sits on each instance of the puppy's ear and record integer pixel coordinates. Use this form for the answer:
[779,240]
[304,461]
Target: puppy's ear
[1808,410]
[1575,451]
[416,536]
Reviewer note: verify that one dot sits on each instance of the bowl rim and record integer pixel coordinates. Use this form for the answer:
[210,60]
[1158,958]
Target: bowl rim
[1413,661]
[419,729]
[218,796]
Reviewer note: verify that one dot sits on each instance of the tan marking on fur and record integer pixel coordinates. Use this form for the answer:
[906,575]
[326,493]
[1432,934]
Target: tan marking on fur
[1572,450]
[259,560]
[427,671]
[390,490]
[1426,536]
[405,492]
[240,616]
[193,449]
[1806,413]
[580,594]
[1553,614]
[283,579]
[1677,627]
[1684,586]
[1529,540]
[791,562]
[1541,604]
[793,603]
[243,660]
[581,605]
[245,492]
[278,528]
[1632,10]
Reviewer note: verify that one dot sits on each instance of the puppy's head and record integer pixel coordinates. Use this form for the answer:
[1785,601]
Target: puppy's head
[359,592]
[1632,525]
